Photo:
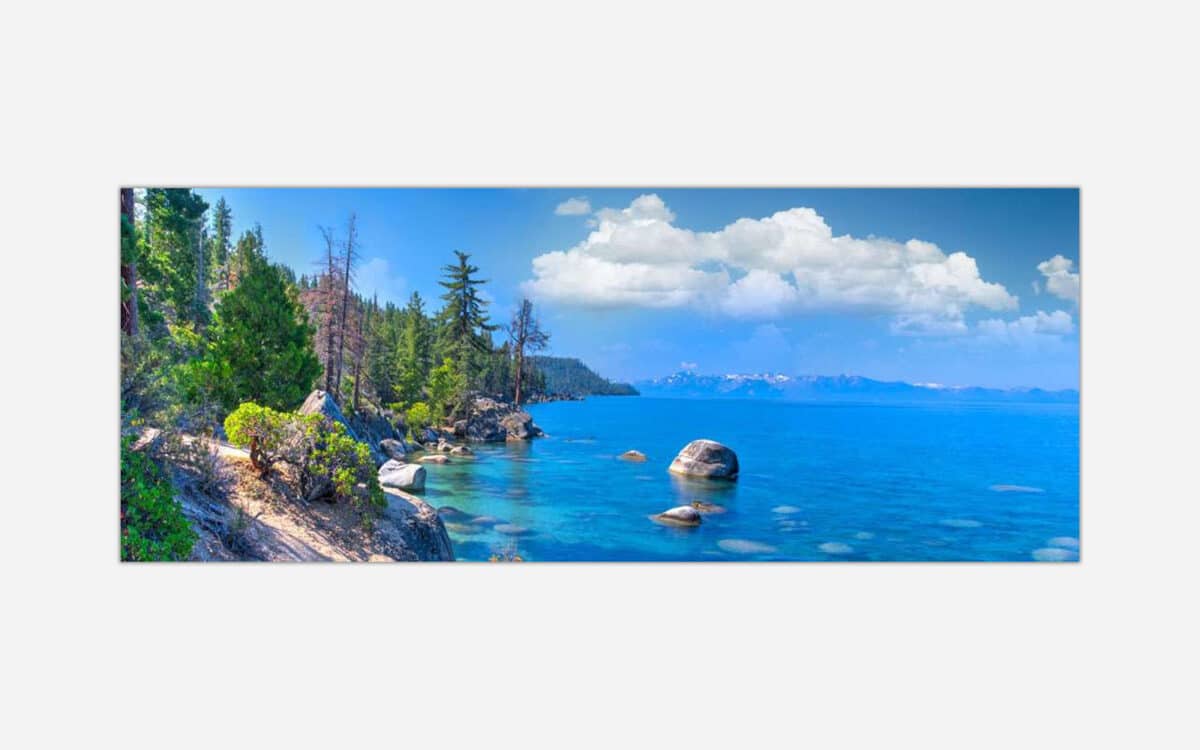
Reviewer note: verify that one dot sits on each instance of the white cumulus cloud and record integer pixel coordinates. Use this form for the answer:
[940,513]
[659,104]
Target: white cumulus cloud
[573,207]
[1060,281]
[1028,328]
[763,268]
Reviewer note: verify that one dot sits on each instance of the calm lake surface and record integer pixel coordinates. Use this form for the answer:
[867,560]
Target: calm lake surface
[818,482]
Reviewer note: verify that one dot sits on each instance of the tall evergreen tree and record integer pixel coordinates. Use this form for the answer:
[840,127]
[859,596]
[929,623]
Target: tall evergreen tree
[262,348]
[222,242]
[174,227]
[464,320]
[414,357]
[129,250]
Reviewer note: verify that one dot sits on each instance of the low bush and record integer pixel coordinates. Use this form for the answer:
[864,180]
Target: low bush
[417,418]
[153,526]
[328,462]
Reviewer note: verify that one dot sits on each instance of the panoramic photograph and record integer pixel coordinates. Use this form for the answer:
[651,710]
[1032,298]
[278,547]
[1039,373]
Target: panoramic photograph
[646,374]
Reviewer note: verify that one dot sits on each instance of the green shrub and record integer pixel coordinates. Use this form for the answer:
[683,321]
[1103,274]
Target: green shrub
[261,429]
[346,463]
[327,460]
[417,418]
[153,526]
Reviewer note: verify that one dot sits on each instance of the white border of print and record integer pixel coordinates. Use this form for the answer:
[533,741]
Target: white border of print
[600,655]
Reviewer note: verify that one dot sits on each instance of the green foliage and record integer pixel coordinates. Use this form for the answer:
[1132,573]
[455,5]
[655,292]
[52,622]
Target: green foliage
[260,429]
[446,388]
[418,417]
[176,259]
[348,465]
[564,375]
[262,348]
[222,240]
[464,322]
[320,450]
[413,353]
[153,526]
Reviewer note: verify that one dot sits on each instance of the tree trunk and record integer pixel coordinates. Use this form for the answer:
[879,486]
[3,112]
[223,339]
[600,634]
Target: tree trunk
[337,383]
[517,399]
[328,300]
[129,304]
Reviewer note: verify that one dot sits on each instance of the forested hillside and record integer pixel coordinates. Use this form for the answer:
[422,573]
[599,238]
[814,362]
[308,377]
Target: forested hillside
[218,341]
[568,376]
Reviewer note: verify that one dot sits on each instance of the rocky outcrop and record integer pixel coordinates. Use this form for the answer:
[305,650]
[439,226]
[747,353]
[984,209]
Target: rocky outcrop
[683,515]
[636,456]
[492,421]
[371,428]
[415,531]
[705,459]
[434,458]
[321,402]
[402,476]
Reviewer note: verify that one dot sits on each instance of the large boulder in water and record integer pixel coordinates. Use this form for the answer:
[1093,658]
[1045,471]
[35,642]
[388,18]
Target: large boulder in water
[706,459]
[402,476]
[684,515]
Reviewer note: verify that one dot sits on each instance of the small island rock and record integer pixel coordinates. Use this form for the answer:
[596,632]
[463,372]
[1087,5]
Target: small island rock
[683,515]
[632,456]
[706,459]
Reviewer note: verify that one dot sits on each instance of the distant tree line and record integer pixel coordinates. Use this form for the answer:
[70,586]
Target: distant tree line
[566,376]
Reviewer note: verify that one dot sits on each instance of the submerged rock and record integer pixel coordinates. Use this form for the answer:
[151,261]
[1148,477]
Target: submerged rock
[706,508]
[461,450]
[1014,488]
[402,476]
[706,459]
[683,515]
[836,548]
[1054,554]
[746,547]
[632,456]
[434,458]
[511,529]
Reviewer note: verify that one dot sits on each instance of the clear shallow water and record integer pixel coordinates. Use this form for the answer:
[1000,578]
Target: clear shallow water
[818,482]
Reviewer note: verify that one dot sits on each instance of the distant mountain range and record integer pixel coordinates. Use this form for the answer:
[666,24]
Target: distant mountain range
[567,376]
[835,388]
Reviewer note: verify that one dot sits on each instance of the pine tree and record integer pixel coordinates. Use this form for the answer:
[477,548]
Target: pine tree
[129,251]
[174,228]
[464,320]
[413,357]
[222,240]
[262,347]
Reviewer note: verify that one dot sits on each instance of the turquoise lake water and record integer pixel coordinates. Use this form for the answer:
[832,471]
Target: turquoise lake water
[818,482]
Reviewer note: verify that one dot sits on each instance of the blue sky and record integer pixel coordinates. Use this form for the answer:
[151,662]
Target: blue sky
[952,286]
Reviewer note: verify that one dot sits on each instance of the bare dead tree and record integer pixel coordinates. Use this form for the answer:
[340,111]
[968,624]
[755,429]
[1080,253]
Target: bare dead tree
[327,297]
[349,256]
[526,334]
[129,301]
